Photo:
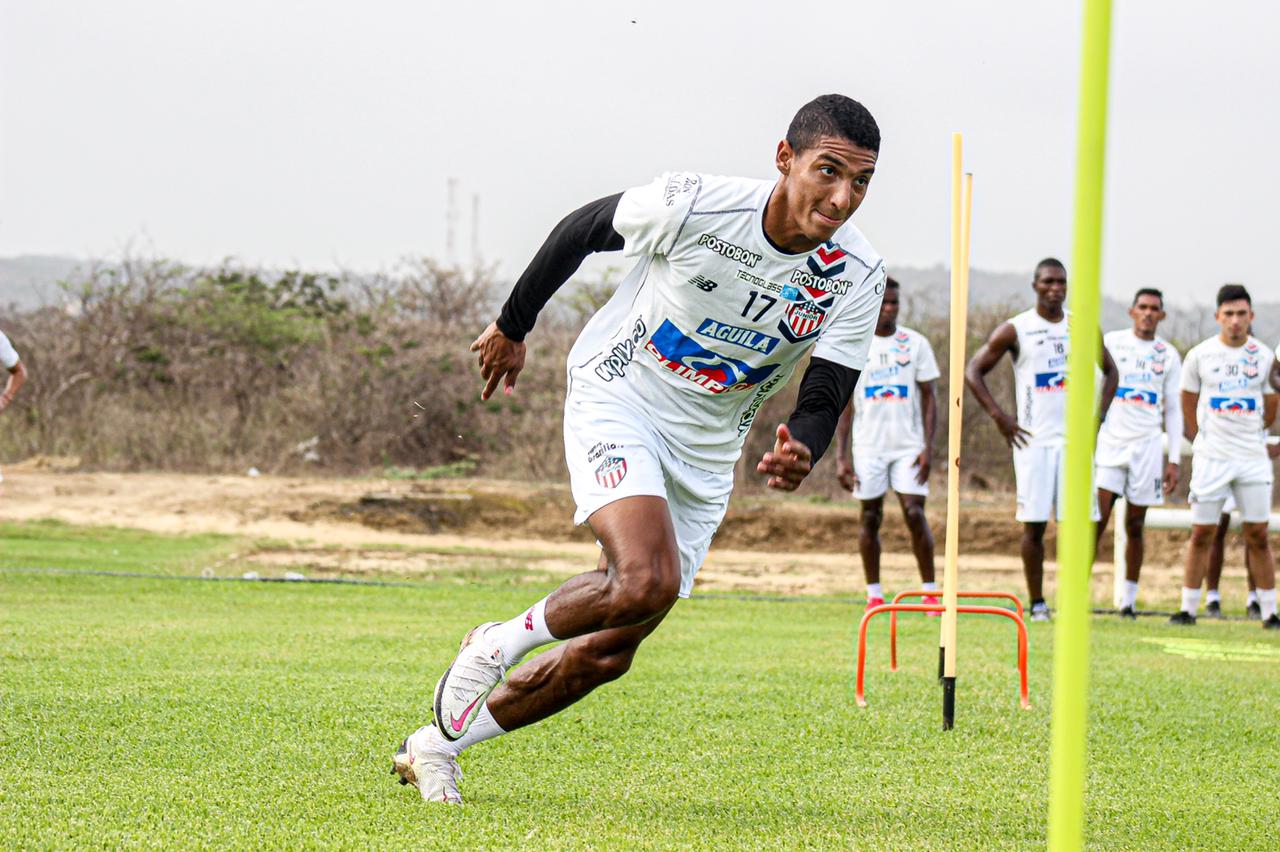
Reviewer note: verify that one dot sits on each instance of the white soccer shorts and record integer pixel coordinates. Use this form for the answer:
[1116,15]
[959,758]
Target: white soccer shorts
[877,474]
[613,453]
[1214,480]
[1038,473]
[1132,469]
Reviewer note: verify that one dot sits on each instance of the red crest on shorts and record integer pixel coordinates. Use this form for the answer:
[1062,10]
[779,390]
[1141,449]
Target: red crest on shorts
[611,471]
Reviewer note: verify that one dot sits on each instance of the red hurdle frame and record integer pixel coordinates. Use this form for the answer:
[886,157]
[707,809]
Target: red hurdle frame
[1024,697]
[922,593]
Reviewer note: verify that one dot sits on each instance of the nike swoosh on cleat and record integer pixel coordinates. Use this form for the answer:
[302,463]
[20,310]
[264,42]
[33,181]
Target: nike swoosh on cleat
[457,723]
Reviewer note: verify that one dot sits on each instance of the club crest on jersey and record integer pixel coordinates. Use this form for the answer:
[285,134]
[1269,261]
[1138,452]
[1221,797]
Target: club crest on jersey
[828,261]
[611,472]
[676,351]
[886,393]
[1157,366]
[803,320]
[1137,396]
[1051,382]
[1239,406]
[903,358]
[1249,366]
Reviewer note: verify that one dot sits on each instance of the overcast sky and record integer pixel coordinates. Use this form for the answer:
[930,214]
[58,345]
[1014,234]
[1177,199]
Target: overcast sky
[323,134]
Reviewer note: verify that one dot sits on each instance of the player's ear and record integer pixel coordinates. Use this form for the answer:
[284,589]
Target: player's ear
[786,156]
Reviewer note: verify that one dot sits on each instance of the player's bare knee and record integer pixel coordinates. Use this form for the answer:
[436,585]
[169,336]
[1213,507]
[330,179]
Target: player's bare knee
[872,518]
[1133,526]
[1202,535]
[1255,535]
[646,587]
[914,515]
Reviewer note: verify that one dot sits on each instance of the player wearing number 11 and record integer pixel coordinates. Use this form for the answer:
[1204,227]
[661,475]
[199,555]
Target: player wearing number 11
[734,281]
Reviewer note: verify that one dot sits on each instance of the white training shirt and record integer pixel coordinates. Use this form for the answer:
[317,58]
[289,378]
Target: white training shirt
[8,355]
[886,403]
[1040,377]
[713,318]
[1147,398]
[1231,381]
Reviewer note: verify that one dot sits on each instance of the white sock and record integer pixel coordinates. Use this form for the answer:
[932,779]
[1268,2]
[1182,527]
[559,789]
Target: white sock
[1130,596]
[874,591]
[1190,600]
[1212,596]
[1267,600]
[1252,598]
[483,727]
[929,587]
[522,634]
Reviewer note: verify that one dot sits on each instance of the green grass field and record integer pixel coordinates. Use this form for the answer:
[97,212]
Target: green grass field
[155,711]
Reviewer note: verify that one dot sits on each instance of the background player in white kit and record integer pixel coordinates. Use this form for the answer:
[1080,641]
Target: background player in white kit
[1039,342]
[735,281]
[1228,403]
[1129,461]
[16,370]
[894,413]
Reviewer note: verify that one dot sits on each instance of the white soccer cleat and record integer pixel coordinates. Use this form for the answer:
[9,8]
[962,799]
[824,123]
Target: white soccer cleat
[423,762]
[462,689]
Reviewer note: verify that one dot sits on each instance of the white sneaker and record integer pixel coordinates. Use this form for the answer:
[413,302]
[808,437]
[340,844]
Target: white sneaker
[1040,612]
[462,689]
[423,762]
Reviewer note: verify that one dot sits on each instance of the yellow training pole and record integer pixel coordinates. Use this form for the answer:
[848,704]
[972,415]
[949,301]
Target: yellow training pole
[1075,543]
[959,309]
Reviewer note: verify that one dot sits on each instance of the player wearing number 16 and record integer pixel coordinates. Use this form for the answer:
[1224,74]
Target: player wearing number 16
[734,281]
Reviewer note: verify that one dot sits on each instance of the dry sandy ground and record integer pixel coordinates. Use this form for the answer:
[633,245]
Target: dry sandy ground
[379,527]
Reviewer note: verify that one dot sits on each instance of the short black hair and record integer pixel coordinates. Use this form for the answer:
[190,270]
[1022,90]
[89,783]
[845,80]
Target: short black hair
[1148,291]
[1232,292]
[890,283]
[833,115]
[1047,263]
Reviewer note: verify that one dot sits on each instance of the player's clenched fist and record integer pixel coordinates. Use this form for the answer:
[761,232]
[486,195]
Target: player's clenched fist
[501,360]
[788,464]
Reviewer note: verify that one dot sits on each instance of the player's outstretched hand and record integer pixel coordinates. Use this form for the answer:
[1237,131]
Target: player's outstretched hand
[1014,435]
[924,466]
[1171,476]
[501,358]
[844,474]
[789,462]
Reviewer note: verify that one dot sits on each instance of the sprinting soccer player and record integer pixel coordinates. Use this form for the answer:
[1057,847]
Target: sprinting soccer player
[1228,402]
[734,281]
[1038,342]
[1128,461]
[1217,555]
[894,412]
[17,374]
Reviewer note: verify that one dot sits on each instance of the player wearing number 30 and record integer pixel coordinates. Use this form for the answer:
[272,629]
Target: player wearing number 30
[734,281]
[1129,454]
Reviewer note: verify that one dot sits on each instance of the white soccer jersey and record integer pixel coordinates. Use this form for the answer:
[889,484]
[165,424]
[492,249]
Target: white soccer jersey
[1147,398]
[1231,381]
[8,355]
[886,403]
[713,317]
[1040,377]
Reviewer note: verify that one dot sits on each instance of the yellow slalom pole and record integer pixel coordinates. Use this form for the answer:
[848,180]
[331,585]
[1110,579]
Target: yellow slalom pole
[959,310]
[1075,543]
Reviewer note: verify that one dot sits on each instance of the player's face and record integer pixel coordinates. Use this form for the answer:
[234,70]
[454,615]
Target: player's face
[1051,287]
[1234,318]
[1147,313]
[826,183]
[889,308]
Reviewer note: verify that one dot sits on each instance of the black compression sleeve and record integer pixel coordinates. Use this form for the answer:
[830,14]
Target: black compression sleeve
[824,392]
[587,229]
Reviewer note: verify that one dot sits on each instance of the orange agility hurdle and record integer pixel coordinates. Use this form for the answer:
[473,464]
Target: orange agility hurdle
[920,593]
[979,610]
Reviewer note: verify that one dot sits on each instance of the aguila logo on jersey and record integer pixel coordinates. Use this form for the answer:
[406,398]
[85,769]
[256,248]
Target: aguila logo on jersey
[745,337]
[828,261]
[676,351]
[1237,405]
[1137,396]
[886,393]
[1051,382]
[611,472]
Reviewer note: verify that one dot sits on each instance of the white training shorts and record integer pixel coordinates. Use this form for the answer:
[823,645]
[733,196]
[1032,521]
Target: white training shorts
[1038,475]
[877,474]
[613,453]
[1133,469]
[1214,480]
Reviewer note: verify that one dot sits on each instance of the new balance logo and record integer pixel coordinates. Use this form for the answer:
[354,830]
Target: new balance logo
[703,283]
